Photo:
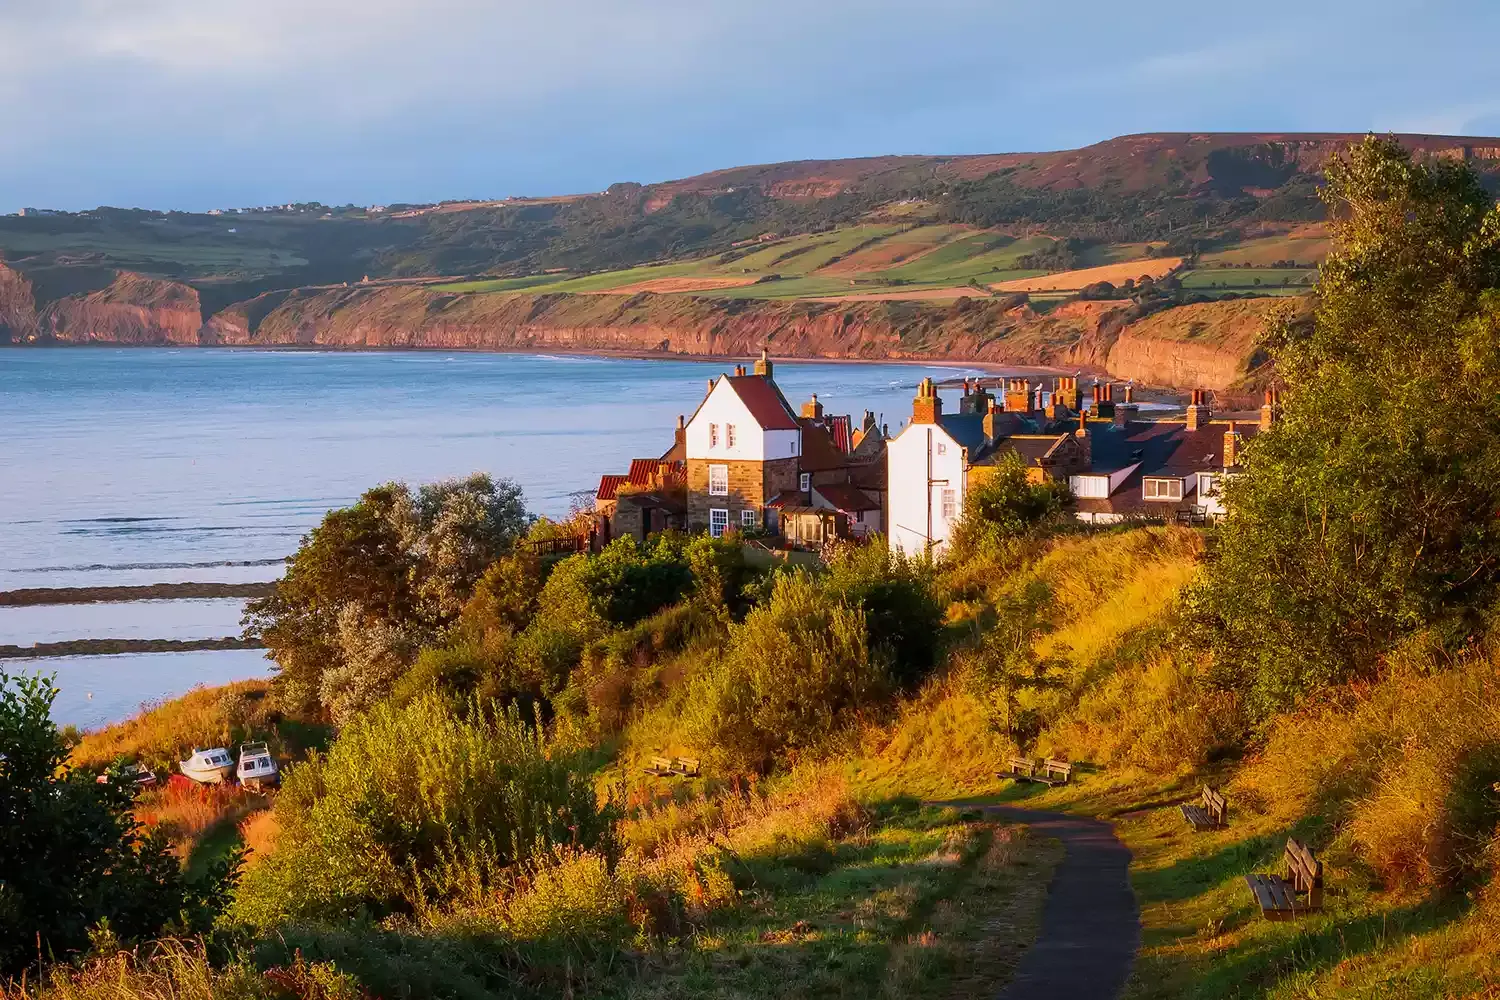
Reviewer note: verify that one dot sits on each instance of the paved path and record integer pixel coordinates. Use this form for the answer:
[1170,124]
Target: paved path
[1091,926]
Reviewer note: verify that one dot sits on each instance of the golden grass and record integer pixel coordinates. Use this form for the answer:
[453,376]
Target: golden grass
[166,733]
[1072,281]
[185,813]
[681,284]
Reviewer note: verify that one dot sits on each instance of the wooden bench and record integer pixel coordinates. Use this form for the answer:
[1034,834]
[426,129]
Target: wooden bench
[1055,772]
[686,767]
[1019,769]
[1210,815]
[1281,898]
[661,767]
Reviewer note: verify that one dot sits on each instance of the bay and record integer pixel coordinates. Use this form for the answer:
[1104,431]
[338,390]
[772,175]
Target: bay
[192,618]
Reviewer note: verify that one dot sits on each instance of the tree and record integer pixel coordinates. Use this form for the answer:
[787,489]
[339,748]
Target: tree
[71,855]
[1369,510]
[402,561]
[1005,504]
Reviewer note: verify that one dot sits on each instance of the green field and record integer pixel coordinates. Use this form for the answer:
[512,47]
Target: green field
[1239,279]
[1307,251]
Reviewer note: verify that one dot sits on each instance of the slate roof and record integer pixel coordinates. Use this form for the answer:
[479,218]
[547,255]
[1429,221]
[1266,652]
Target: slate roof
[1161,448]
[764,401]
[1029,448]
[965,428]
[847,498]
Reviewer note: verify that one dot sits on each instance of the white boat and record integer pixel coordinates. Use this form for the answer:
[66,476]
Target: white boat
[257,766]
[208,767]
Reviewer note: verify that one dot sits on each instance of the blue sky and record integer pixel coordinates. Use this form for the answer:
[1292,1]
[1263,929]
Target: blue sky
[201,103]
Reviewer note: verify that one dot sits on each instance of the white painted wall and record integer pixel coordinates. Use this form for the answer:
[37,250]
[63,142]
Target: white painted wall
[723,407]
[912,498]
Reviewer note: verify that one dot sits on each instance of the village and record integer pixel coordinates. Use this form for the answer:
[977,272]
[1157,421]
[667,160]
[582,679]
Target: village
[747,461]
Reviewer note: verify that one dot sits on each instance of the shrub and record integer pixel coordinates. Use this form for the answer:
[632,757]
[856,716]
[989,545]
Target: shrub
[903,618]
[1005,505]
[796,671]
[413,807]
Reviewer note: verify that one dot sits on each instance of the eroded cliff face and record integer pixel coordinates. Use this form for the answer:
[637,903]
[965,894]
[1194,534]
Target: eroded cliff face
[1208,345]
[133,310]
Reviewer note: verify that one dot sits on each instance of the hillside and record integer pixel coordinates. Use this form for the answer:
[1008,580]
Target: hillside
[899,256]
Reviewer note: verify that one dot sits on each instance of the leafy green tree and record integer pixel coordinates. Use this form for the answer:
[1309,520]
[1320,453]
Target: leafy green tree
[1369,510]
[71,855]
[396,559]
[1005,505]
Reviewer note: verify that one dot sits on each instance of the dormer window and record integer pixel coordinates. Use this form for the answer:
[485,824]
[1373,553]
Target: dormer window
[1162,489]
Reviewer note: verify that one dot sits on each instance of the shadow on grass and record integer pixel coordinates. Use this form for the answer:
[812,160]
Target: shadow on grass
[1316,945]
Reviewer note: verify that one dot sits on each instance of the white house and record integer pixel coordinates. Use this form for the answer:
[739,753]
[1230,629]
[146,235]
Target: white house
[926,465]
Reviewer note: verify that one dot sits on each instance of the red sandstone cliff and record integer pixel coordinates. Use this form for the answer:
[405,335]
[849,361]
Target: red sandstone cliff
[1209,345]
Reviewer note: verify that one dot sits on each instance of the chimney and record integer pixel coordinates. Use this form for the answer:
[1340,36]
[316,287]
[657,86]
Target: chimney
[976,398]
[679,437]
[1198,411]
[710,385]
[1231,446]
[1104,405]
[763,366]
[927,408]
[1270,410]
[812,408]
[1081,435]
[1130,392]
[1126,412]
[992,420]
[739,370]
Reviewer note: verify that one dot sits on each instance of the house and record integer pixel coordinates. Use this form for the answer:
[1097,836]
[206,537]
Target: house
[1165,469]
[938,457]
[743,447]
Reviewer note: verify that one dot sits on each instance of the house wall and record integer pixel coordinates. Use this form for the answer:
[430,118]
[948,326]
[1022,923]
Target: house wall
[723,407]
[911,499]
[751,484]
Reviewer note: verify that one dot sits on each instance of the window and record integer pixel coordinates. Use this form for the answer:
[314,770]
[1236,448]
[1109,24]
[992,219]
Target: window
[942,448]
[804,482]
[1206,484]
[713,435]
[1163,489]
[718,480]
[749,519]
[729,435]
[950,504]
[718,520]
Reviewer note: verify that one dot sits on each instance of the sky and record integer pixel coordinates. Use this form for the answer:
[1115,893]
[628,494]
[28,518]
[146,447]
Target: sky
[197,104]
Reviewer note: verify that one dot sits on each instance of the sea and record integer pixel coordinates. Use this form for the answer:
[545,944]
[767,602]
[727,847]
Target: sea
[130,466]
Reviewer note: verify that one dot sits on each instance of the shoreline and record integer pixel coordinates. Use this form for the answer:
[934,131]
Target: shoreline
[107,647]
[932,362]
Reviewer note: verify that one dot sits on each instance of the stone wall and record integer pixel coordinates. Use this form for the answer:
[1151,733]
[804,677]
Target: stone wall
[751,484]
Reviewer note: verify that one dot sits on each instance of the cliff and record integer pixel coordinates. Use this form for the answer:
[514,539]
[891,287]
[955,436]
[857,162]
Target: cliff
[1210,345]
[1003,330]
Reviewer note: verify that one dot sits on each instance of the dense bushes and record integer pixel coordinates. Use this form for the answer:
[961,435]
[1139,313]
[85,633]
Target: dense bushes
[797,670]
[416,807]
[72,858]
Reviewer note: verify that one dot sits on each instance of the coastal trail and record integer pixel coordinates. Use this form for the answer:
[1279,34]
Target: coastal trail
[1091,925]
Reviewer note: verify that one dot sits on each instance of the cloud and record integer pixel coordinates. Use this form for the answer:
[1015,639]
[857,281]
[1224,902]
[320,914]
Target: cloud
[196,103]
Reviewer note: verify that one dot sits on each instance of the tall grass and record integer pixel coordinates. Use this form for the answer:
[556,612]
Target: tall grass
[414,807]
[166,732]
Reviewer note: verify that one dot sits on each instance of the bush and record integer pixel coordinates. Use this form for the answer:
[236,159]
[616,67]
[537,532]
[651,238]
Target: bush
[414,807]
[797,670]
[1005,505]
[903,618]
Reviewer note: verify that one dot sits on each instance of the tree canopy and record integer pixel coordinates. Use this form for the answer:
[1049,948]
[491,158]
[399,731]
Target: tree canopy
[1368,512]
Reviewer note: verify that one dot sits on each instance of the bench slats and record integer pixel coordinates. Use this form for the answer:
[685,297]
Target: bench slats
[1196,817]
[1277,897]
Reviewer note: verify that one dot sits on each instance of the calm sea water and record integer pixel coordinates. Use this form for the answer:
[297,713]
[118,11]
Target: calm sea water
[130,466]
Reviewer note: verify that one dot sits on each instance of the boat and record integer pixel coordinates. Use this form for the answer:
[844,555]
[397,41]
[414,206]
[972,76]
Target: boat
[257,766]
[139,775]
[208,767]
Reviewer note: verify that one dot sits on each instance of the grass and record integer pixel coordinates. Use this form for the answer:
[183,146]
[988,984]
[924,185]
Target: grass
[1307,250]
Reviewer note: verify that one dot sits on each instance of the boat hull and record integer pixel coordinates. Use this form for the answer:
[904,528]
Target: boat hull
[207,775]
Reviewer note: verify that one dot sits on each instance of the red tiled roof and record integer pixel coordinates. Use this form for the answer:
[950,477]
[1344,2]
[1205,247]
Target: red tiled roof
[642,471]
[819,452]
[787,498]
[609,487]
[764,401]
[841,429]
